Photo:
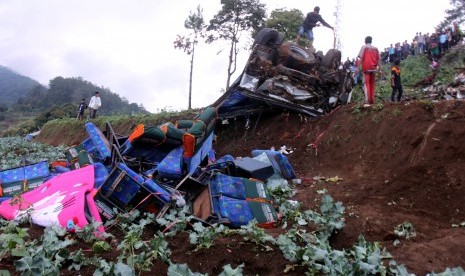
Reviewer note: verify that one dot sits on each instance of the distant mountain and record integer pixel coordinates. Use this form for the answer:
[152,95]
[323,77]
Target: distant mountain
[21,93]
[14,86]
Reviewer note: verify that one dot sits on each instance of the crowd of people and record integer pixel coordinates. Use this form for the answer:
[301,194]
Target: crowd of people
[369,60]
[433,45]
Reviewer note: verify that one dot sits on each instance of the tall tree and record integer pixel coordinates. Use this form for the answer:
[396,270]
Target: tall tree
[455,13]
[235,18]
[285,21]
[194,22]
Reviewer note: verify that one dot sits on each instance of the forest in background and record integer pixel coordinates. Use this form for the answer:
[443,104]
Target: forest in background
[24,99]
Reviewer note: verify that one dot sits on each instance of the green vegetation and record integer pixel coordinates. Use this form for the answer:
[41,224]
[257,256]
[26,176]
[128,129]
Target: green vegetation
[27,105]
[414,69]
[13,86]
[12,149]
[62,120]
[285,21]
[235,18]
[52,252]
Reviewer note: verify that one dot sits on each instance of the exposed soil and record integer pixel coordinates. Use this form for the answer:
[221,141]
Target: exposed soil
[405,162]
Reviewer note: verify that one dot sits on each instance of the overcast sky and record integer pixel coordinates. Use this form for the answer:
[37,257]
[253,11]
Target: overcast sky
[127,46]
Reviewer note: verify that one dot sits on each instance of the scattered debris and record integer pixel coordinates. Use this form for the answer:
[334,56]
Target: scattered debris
[452,91]
[151,170]
[462,224]
[284,75]
[405,230]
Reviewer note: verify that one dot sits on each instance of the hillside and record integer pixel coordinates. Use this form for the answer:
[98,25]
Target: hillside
[26,109]
[397,168]
[397,164]
[14,86]
[403,163]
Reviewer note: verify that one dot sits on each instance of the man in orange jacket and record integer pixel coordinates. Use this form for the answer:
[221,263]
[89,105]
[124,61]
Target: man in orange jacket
[370,58]
[396,82]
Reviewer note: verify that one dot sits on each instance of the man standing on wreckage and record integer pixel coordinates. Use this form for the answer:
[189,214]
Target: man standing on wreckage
[311,21]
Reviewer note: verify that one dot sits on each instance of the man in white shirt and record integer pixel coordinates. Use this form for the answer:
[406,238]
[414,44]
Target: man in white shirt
[94,104]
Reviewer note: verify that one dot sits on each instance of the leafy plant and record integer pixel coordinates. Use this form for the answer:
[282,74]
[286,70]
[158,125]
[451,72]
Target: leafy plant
[159,247]
[12,239]
[307,249]
[78,259]
[330,218]
[367,257]
[456,271]
[99,247]
[290,210]
[251,232]
[111,269]
[182,269]
[14,148]
[229,271]
[204,237]
[140,254]
[288,243]
[123,220]
[280,190]
[175,220]
[45,257]
[91,232]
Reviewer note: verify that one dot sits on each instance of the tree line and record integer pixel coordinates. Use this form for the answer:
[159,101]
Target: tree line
[64,91]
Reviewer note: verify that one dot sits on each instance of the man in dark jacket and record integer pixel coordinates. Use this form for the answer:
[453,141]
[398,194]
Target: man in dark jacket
[82,106]
[311,21]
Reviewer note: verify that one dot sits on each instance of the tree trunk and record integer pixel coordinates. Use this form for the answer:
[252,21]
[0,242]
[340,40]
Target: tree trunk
[231,59]
[190,78]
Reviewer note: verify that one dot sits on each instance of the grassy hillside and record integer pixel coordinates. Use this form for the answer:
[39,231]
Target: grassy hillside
[71,131]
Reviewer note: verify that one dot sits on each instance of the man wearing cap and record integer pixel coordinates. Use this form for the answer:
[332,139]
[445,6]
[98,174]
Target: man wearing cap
[311,21]
[94,104]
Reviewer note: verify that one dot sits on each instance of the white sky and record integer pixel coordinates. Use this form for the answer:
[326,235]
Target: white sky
[127,46]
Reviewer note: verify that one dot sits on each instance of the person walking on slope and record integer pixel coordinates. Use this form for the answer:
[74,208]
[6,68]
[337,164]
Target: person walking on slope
[94,104]
[311,21]
[81,108]
[396,83]
[370,58]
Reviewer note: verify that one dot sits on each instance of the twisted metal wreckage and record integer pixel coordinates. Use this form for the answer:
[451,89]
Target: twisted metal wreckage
[158,167]
[451,91]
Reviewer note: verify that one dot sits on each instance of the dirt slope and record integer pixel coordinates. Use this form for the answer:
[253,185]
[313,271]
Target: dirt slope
[404,162]
[399,163]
